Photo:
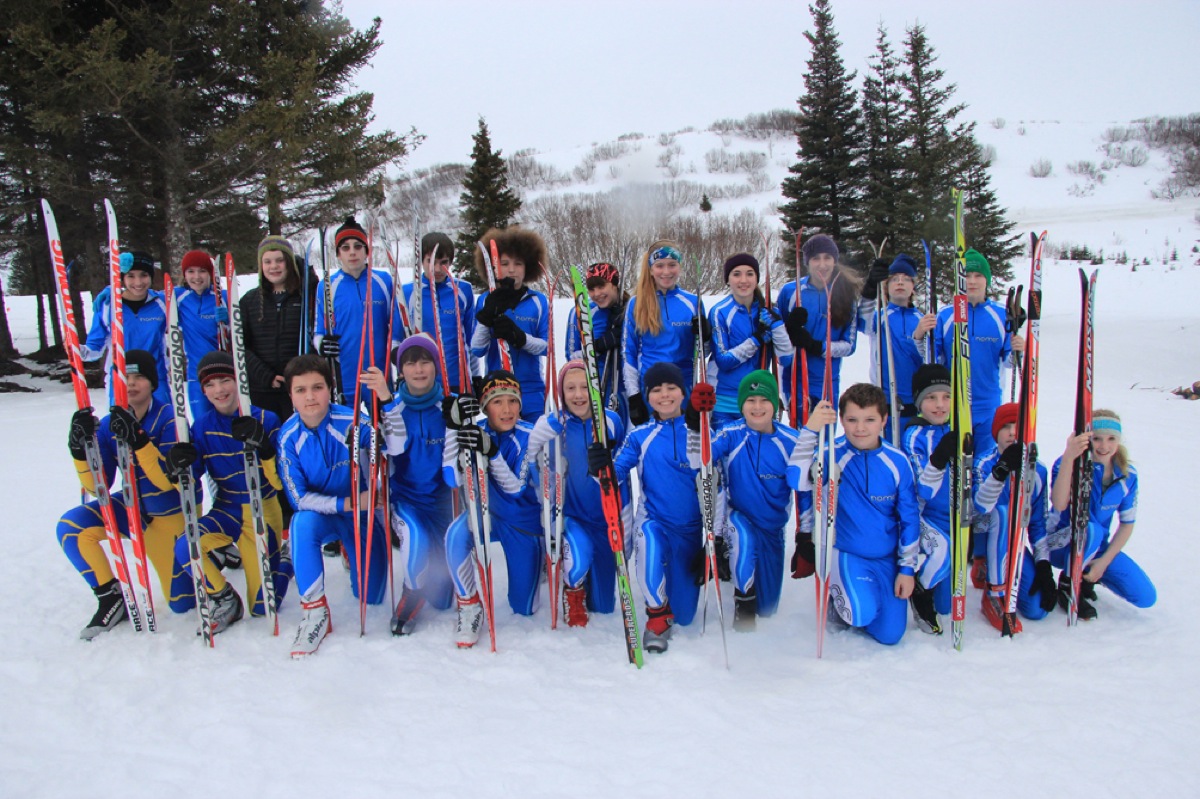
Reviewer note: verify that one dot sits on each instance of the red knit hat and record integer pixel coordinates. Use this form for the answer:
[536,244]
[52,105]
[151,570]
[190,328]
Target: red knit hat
[197,259]
[1005,414]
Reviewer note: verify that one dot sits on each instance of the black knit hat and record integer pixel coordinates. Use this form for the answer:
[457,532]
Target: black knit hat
[215,364]
[928,378]
[660,373]
[140,362]
[350,229]
[741,259]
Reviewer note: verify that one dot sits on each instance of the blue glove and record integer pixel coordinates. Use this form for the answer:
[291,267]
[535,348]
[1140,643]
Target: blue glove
[222,314]
[100,299]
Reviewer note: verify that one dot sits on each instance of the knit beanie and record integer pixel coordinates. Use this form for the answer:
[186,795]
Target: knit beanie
[140,362]
[350,229]
[929,378]
[562,373]
[660,373]
[903,265]
[975,262]
[818,244]
[277,243]
[498,383]
[759,383]
[445,247]
[1005,414]
[137,261]
[416,346]
[741,259]
[198,259]
[215,364]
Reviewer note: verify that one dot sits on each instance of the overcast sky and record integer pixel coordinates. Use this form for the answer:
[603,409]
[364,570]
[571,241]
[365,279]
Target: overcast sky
[557,74]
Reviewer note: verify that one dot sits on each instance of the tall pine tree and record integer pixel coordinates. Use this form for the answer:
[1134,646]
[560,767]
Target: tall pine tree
[824,190]
[486,201]
[883,158]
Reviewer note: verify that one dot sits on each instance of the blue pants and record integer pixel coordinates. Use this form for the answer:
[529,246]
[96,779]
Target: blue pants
[665,555]
[756,556]
[588,555]
[1124,577]
[311,530]
[422,533]
[522,553]
[863,591]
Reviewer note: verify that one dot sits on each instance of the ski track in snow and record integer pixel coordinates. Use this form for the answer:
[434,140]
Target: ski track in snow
[1102,710]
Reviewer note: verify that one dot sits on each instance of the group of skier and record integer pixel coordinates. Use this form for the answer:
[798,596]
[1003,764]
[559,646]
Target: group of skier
[427,419]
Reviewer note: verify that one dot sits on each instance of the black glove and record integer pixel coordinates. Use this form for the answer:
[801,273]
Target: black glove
[491,309]
[1044,585]
[507,329]
[329,346]
[611,339]
[699,561]
[1008,462]
[250,432]
[179,460]
[877,274]
[474,439]
[805,557]
[794,324]
[83,427]
[946,449]
[459,411]
[599,458]
[477,385]
[804,341]
[638,412]
[700,326]
[125,428]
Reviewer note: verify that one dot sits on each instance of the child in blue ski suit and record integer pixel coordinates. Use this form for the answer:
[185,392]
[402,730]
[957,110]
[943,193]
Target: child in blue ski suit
[877,517]
[906,327]
[515,314]
[143,317]
[589,570]
[667,525]
[756,500]
[514,506]
[314,456]
[1114,494]
[202,313]
[422,504]
[148,426]
[661,325]
[992,345]
[455,304]
[930,445]
[806,309]
[746,335]
[349,286]
[993,506]
[608,304]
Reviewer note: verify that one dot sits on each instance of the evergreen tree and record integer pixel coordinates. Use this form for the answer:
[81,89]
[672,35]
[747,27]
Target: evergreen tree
[486,201]
[884,126]
[824,189]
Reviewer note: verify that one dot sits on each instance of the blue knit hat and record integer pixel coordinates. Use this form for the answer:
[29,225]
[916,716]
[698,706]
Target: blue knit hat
[903,265]
[660,373]
[818,244]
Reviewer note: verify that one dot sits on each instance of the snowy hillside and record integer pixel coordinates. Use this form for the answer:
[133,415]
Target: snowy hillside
[1106,709]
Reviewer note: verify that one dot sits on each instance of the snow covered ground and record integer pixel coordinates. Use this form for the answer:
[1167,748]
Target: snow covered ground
[1106,709]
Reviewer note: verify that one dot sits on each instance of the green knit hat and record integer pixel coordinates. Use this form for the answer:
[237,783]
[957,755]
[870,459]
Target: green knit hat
[759,383]
[977,263]
[278,243]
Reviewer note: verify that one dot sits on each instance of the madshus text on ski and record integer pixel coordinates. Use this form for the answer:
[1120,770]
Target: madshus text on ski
[340,415]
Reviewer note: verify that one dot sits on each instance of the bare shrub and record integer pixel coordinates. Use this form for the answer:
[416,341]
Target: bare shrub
[586,170]
[1135,156]
[720,160]
[666,139]
[527,173]
[630,137]
[1041,168]
[987,154]
[998,123]
[1118,134]
[759,181]
[610,151]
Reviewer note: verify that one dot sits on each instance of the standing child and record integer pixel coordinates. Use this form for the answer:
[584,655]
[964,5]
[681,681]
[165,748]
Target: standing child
[455,303]
[746,334]
[878,520]
[806,309]
[667,523]
[314,454]
[590,572]
[906,327]
[608,305]
[661,324]
[202,312]
[753,457]
[514,506]
[1114,493]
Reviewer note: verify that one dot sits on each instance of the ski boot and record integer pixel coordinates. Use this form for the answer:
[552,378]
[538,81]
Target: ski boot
[404,618]
[923,611]
[314,626]
[225,608]
[745,611]
[109,614]
[574,607]
[470,621]
[659,624]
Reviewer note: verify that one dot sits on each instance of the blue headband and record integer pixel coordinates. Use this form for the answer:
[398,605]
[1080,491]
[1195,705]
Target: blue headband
[665,252]
[1107,424]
